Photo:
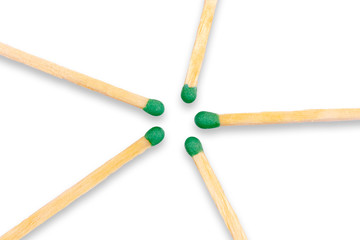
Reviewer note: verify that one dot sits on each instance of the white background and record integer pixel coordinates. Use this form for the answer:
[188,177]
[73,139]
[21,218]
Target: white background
[298,181]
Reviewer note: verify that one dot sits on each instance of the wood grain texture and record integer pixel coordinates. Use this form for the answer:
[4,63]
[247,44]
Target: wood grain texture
[72,76]
[218,195]
[316,115]
[77,190]
[202,37]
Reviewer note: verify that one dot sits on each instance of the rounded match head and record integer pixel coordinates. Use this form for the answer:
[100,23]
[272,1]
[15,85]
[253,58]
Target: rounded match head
[188,94]
[154,107]
[193,146]
[155,135]
[207,120]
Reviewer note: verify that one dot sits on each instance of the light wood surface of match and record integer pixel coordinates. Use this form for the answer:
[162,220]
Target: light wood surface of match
[218,195]
[77,190]
[72,76]
[202,37]
[317,115]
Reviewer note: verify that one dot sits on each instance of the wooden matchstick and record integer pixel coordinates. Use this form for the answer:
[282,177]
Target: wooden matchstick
[188,93]
[151,106]
[153,137]
[194,148]
[208,120]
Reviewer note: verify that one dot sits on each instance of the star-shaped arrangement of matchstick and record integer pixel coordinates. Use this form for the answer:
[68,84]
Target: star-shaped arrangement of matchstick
[155,135]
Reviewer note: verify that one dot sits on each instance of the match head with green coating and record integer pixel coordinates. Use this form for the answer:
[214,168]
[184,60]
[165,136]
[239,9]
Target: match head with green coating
[188,94]
[155,135]
[193,146]
[154,107]
[207,120]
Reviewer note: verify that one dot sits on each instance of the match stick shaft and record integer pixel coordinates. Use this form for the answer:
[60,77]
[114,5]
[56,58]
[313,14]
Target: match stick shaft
[72,76]
[76,191]
[319,115]
[218,195]
[202,37]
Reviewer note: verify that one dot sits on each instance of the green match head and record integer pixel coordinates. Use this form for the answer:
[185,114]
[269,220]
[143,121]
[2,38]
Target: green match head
[155,135]
[188,94]
[207,120]
[193,146]
[154,107]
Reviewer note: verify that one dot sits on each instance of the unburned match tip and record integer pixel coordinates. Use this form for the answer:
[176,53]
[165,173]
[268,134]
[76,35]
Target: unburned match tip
[207,120]
[193,146]
[188,94]
[154,107]
[155,135]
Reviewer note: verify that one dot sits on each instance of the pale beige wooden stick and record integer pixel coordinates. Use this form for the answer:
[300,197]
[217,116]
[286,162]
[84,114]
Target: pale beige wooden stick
[194,148]
[213,120]
[151,138]
[188,93]
[151,106]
